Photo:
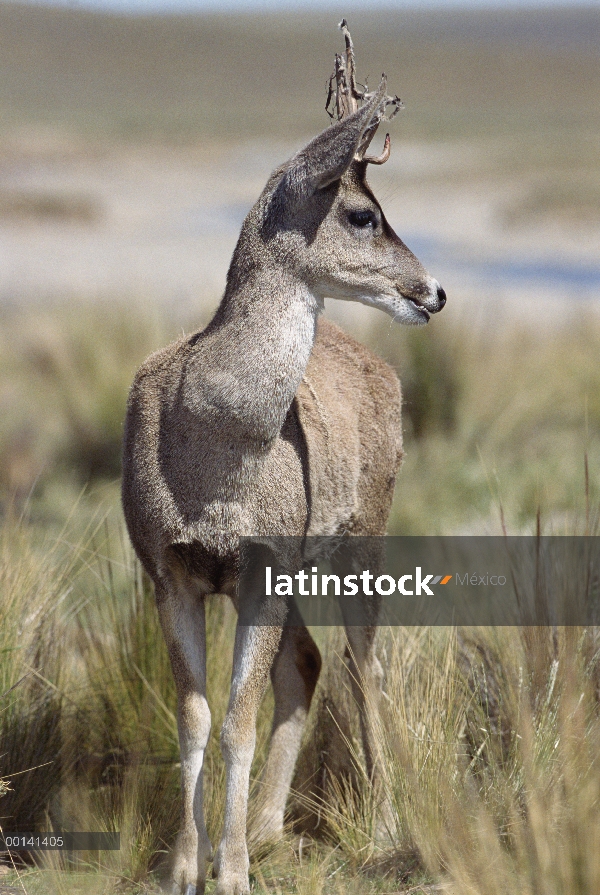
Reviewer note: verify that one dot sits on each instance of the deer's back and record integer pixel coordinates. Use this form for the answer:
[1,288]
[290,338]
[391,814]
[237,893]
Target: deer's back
[349,407]
[332,468]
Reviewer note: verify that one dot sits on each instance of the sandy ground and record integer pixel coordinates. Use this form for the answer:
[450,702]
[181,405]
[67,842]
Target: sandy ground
[159,223]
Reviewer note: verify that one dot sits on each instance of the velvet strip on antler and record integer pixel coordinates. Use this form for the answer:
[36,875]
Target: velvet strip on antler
[344,96]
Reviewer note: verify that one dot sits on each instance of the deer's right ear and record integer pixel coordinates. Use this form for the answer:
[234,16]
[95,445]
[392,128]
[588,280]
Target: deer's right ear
[324,159]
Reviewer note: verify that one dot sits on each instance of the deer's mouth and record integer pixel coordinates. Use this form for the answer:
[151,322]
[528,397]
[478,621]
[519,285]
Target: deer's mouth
[419,308]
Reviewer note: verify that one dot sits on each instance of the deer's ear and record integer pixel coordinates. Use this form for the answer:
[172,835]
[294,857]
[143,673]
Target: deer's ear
[325,158]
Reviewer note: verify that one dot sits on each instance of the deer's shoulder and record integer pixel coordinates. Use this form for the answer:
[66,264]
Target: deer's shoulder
[160,366]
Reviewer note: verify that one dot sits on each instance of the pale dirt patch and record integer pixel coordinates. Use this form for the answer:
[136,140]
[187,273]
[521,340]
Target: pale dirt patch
[159,223]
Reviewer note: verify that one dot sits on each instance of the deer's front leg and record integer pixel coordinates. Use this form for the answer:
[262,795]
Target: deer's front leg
[255,650]
[181,612]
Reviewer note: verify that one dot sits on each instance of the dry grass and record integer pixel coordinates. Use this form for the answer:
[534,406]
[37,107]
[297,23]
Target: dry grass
[488,742]
[66,373]
[496,415]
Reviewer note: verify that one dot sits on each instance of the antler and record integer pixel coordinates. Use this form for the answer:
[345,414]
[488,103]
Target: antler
[380,159]
[345,96]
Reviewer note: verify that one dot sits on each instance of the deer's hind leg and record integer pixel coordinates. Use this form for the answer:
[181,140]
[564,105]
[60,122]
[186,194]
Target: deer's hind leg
[294,676]
[366,675]
[181,612]
[361,617]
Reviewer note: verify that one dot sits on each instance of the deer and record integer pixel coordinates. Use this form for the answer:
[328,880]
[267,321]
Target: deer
[272,421]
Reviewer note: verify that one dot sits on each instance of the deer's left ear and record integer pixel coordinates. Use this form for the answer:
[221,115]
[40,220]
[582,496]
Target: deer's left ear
[325,158]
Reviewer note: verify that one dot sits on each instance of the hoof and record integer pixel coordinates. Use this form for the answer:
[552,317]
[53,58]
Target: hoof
[190,889]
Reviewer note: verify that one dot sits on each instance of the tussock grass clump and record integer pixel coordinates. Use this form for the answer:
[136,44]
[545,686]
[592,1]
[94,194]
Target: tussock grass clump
[34,587]
[65,380]
[488,773]
[495,414]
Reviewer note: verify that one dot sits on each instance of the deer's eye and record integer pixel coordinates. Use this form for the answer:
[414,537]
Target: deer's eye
[363,219]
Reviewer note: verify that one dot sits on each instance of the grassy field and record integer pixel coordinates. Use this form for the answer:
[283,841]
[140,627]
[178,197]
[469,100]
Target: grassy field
[488,744]
[494,417]
[489,738]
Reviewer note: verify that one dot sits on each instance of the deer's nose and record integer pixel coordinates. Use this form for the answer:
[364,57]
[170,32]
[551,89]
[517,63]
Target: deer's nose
[441,294]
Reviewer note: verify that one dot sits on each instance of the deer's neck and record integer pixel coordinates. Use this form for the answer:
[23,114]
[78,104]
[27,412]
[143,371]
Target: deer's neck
[250,361]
